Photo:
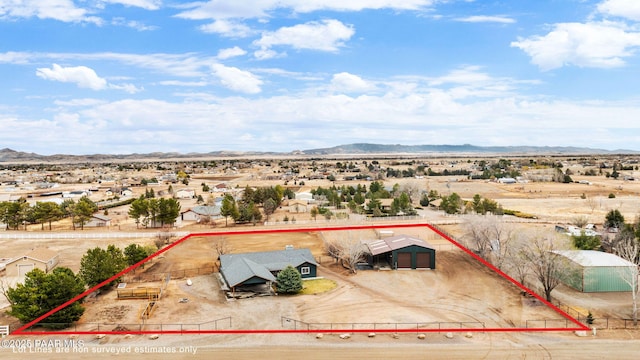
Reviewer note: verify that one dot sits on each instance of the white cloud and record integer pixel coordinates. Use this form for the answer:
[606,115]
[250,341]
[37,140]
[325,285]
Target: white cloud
[227,28]
[128,88]
[82,76]
[218,9]
[118,21]
[593,44]
[347,82]
[230,52]
[145,4]
[61,10]
[485,18]
[327,35]
[236,79]
[629,9]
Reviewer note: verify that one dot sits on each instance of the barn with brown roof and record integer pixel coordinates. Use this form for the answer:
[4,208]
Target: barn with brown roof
[401,252]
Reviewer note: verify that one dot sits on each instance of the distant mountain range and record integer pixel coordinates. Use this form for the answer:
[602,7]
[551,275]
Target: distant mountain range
[364,148]
[13,156]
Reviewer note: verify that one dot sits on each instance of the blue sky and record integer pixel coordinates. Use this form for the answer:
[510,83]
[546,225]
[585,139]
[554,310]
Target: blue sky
[137,76]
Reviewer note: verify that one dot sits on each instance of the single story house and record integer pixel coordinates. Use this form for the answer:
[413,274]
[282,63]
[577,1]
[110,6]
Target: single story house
[198,213]
[185,193]
[297,206]
[401,252]
[257,268]
[38,258]
[98,220]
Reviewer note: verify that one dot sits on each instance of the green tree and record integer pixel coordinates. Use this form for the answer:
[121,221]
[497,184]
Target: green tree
[139,210]
[451,204]
[14,213]
[98,265]
[84,210]
[168,211]
[229,208]
[47,212]
[41,293]
[614,219]
[586,242]
[135,253]
[289,281]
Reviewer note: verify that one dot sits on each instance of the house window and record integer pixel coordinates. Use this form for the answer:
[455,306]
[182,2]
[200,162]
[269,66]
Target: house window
[305,270]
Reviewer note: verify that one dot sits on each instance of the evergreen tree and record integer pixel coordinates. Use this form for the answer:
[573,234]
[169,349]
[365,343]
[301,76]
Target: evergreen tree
[289,281]
[98,265]
[41,293]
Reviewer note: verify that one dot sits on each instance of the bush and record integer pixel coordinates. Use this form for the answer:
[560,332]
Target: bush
[612,196]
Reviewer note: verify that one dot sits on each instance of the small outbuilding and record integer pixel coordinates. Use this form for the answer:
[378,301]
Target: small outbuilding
[39,258]
[597,271]
[401,252]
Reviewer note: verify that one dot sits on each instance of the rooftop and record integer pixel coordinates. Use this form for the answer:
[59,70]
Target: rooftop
[593,258]
[393,243]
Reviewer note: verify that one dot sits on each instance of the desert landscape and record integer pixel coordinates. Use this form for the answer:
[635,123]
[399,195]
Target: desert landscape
[461,292]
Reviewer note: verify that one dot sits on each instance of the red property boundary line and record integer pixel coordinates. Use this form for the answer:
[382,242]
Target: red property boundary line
[579,326]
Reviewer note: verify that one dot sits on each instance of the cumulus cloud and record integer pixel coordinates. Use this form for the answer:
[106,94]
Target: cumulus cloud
[118,21]
[82,76]
[230,52]
[227,28]
[236,79]
[629,9]
[485,18]
[347,82]
[61,10]
[327,35]
[592,44]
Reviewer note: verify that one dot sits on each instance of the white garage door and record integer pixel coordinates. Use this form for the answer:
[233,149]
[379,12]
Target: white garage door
[24,269]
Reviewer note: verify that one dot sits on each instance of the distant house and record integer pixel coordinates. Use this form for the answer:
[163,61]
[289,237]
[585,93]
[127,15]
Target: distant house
[258,268]
[401,252]
[198,213]
[126,192]
[297,206]
[98,220]
[38,258]
[185,193]
[75,194]
[507,180]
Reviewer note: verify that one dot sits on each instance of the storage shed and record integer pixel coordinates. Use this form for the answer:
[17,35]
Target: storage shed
[401,252]
[38,258]
[597,271]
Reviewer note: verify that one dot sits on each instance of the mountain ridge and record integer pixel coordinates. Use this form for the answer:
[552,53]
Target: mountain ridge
[11,155]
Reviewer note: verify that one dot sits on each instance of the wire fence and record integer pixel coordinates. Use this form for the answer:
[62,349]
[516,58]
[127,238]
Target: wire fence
[293,324]
[89,235]
[218,324]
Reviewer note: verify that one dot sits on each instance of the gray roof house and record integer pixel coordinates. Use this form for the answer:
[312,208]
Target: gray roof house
[263,267]
[197,213]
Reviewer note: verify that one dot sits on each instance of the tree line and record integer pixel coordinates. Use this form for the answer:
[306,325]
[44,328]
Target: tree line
[15,214]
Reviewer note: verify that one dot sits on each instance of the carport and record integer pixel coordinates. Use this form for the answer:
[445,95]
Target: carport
[401,252]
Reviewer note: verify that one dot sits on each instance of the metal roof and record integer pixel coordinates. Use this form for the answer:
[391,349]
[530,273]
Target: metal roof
[593,258]
[385,245]
[238,268]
